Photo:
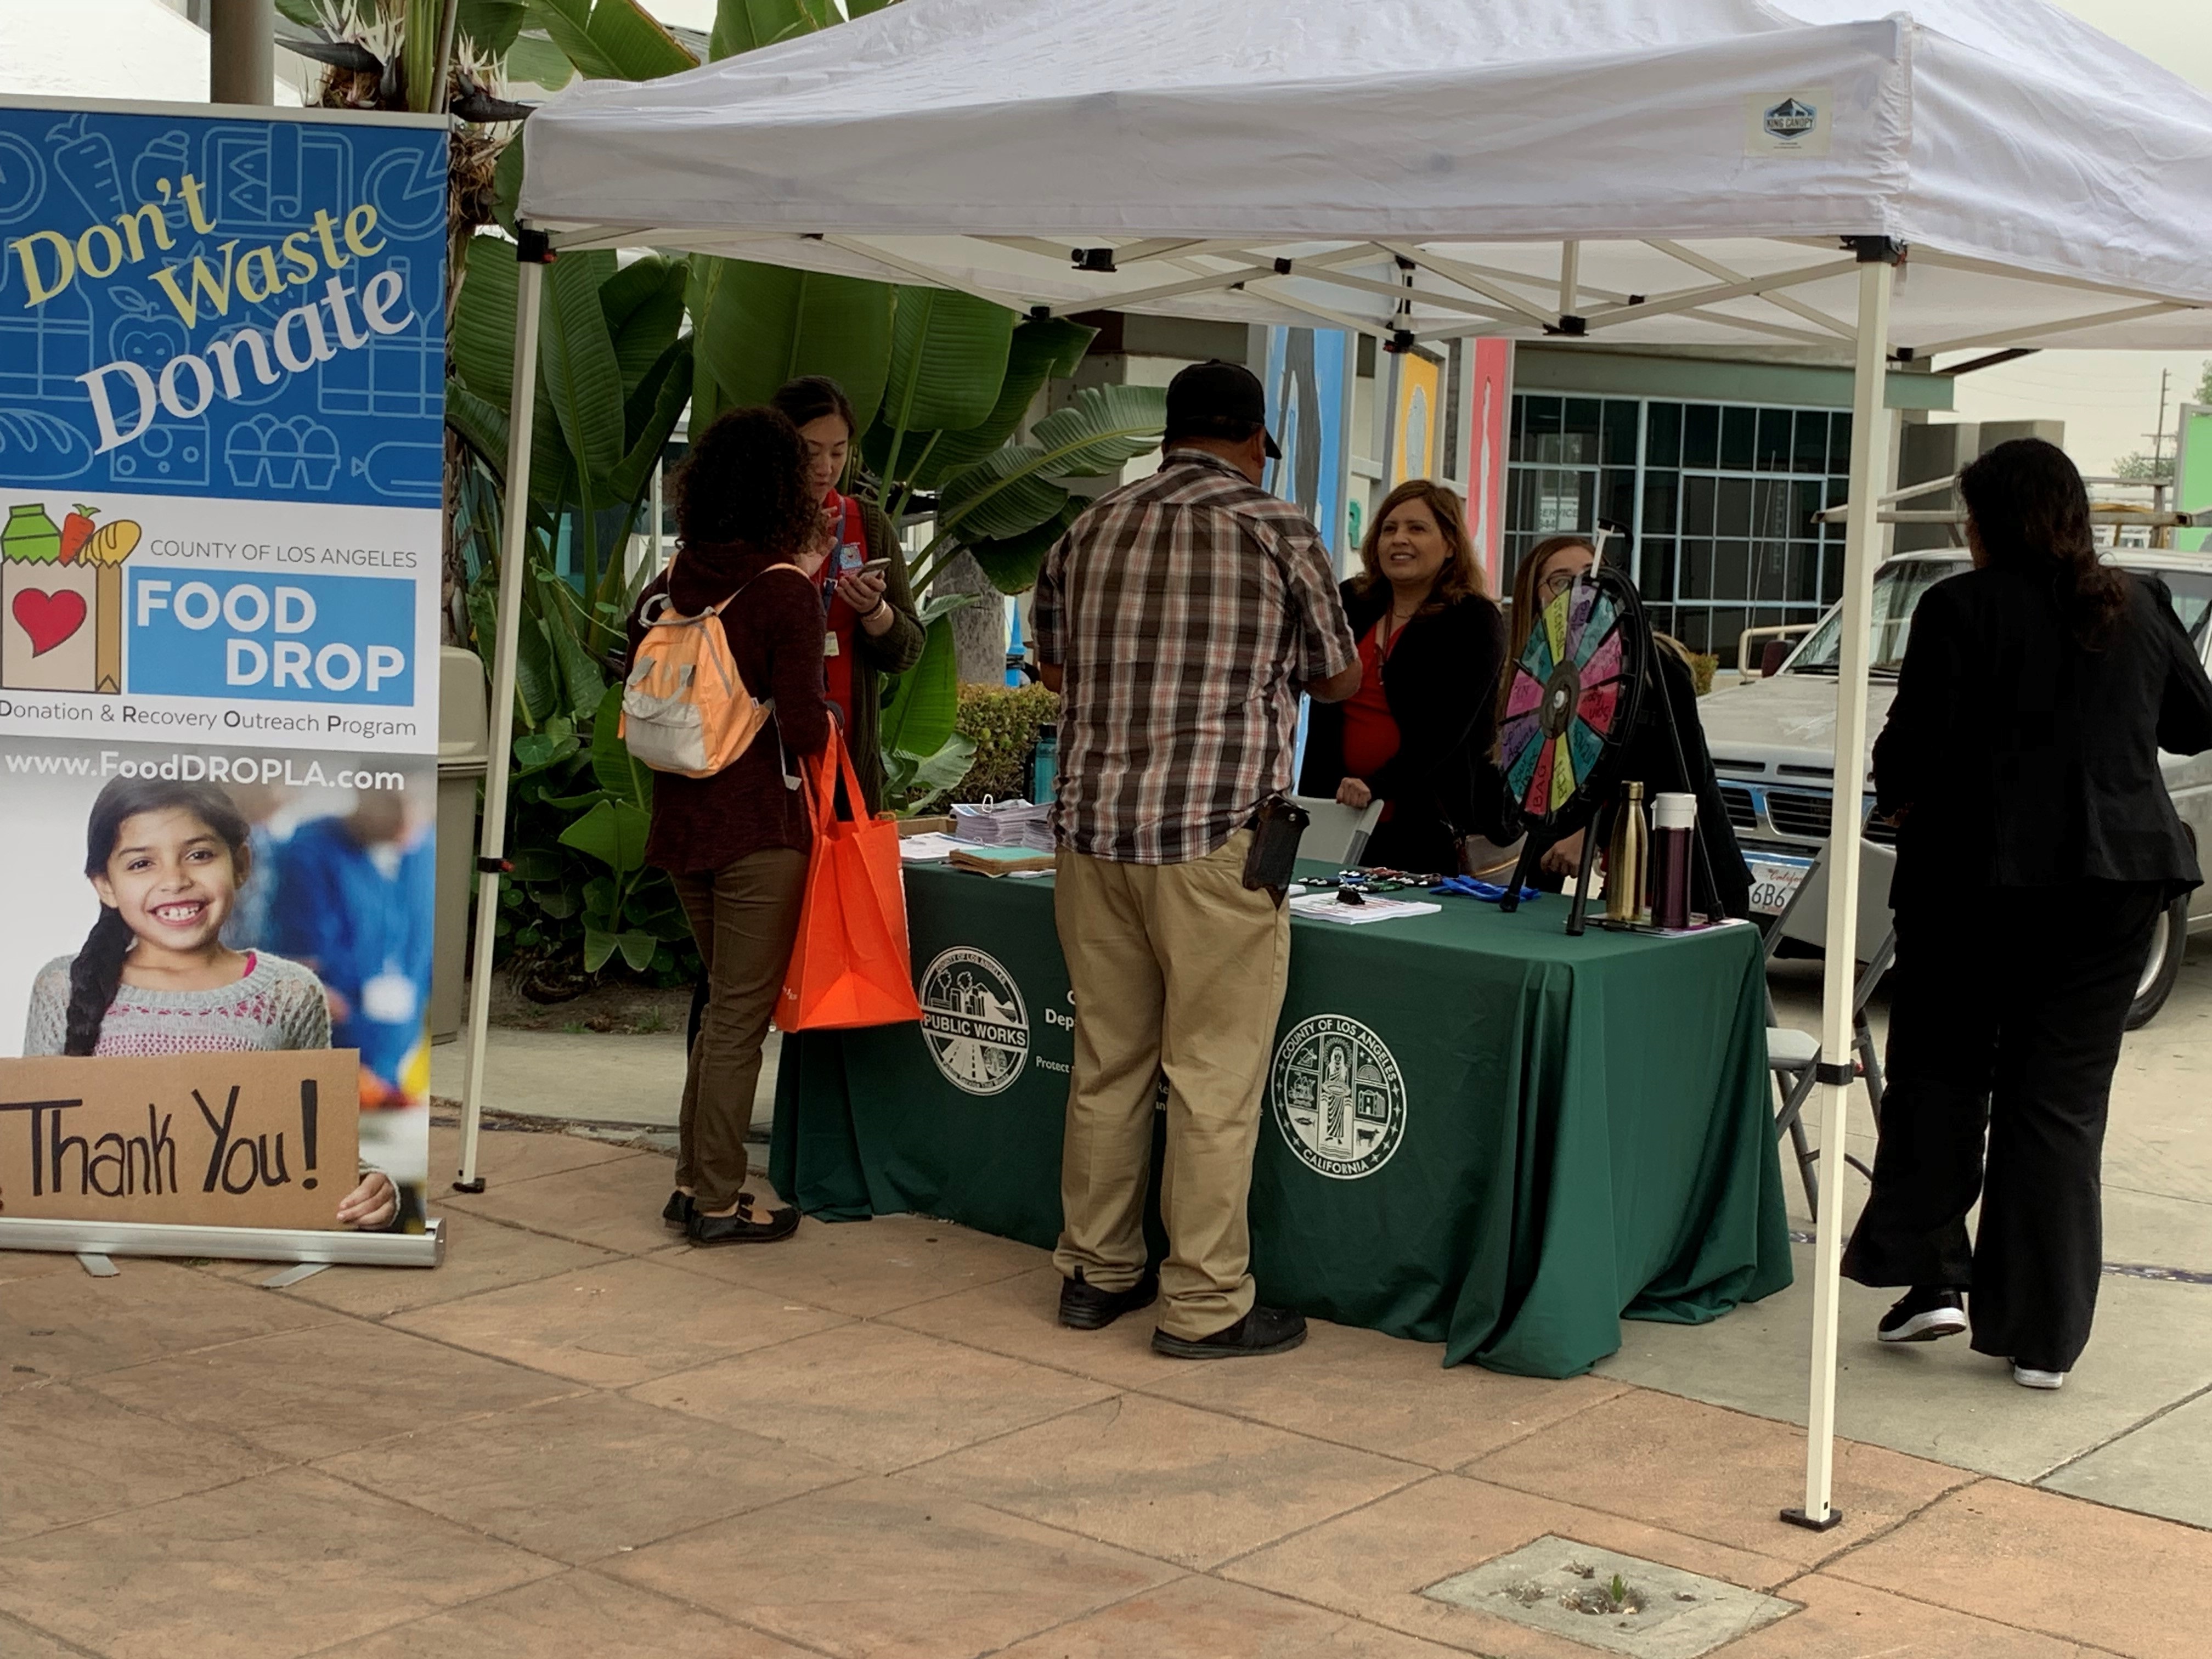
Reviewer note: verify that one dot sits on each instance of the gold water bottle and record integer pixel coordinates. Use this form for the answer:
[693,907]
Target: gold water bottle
[1628,862]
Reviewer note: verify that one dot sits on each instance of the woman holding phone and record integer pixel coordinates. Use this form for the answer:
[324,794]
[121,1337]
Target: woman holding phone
[870,627]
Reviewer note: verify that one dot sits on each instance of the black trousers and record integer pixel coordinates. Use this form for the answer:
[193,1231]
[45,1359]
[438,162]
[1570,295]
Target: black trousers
[2006,1017]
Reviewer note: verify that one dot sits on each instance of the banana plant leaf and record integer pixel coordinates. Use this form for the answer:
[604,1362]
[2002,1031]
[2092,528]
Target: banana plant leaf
[1011,492]
[1012,562]
[613,832]
[577,359]
[755,327]
[644,306]
[743,26]
[948,361]
[422,29]
[617,773]
[650,420]
[484,320]
[926,701]
[612,40]
[1040,349]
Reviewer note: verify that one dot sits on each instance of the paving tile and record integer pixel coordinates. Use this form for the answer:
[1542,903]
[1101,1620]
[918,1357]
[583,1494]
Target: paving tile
[614,1203]
[1386,1394]
[34,1264]
[1019,1317]
[1186,1485]
[19,1641]
[578,1615]
[872,1396]
[1205,1619]
[622,1322]
[869,1267]
[584,1477]
[2077,1571]
[1841,1617]
[889,1571]
[303,1395]
[71,1456]
[1713,1473]
[481,1254]
[73,1325]
[1373,1562]
[505,1156]
[2164,1467]
[278,1565]
[2153,1347]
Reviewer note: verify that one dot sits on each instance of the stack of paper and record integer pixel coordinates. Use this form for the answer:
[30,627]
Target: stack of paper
[1003,824]
[927,848]
[1326,907]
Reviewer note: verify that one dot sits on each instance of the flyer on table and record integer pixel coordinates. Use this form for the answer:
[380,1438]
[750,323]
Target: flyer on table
[222,403]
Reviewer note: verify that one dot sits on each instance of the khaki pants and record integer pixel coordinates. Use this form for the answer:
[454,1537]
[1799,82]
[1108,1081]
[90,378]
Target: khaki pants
[1176,969]
[744,918]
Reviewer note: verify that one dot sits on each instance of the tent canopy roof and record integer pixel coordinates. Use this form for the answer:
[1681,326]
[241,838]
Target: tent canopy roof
[1669,171]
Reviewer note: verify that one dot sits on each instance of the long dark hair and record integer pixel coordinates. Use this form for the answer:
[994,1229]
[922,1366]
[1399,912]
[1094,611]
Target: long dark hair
[2030,513]
[97,969]
[809,398]
[1461,574]
[744,481]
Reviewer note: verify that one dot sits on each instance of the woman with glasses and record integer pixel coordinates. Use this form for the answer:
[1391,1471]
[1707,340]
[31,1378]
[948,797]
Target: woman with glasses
[1720,881]
[1421,732]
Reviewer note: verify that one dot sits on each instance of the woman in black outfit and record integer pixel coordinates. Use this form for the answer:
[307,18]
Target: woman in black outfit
[1420,733]
[1720,881]
[2038,848]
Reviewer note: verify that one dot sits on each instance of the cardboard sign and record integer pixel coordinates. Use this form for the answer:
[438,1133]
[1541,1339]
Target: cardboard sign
[240,1138]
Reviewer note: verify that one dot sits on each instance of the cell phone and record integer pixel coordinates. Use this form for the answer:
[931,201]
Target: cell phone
[873,567]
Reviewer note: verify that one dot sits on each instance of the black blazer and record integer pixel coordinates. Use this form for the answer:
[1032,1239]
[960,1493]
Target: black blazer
[1441,682]
[2028,760]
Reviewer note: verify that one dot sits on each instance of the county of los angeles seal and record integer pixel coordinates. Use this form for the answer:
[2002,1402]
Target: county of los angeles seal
[1339,1096]
[973,1021]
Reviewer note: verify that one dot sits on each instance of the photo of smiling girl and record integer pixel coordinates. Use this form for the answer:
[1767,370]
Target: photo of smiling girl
[169,861]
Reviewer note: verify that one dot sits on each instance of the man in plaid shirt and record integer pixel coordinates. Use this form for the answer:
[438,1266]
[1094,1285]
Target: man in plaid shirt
[1180,618]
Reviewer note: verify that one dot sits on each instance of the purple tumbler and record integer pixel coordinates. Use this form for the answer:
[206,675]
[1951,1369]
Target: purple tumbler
[1673,823]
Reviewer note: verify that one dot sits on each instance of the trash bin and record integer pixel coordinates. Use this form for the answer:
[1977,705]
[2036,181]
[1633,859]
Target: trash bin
[463,756]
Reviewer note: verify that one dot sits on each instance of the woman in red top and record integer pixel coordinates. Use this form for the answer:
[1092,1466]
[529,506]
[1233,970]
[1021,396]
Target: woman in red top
[870,627]
[736,843]
[1418,733]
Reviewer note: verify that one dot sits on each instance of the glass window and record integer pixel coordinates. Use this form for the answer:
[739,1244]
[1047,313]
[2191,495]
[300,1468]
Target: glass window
[1701,435]
[1898,587]
[1662,434]
[1620,417]
[1839,443]
[1738,439]
[1811,454]
[1774,440]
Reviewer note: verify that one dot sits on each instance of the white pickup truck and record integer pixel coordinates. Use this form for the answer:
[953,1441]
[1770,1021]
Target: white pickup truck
[1773,743]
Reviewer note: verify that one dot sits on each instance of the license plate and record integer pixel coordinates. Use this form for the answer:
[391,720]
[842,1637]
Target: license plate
[1775,882]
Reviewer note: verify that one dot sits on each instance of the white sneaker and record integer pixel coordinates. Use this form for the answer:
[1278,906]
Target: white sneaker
[2028,1378]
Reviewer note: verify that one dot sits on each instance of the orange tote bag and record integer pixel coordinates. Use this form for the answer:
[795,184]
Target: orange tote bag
[851,964]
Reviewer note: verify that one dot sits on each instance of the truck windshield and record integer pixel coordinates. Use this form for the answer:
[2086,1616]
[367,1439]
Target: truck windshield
[1898,587]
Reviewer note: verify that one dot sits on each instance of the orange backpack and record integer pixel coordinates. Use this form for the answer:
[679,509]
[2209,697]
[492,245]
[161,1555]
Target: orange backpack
[685,707]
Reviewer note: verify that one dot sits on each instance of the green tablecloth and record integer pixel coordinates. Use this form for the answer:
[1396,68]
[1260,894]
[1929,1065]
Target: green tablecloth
[1478,1131]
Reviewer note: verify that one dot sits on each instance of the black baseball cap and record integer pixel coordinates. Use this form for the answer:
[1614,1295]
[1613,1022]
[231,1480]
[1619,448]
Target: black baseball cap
[1218,399]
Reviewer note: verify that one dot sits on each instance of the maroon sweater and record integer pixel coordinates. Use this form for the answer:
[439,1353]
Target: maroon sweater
[775,631]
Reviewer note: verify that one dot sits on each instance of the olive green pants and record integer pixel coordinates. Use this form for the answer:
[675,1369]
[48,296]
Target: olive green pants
[1178,971]
[744,918]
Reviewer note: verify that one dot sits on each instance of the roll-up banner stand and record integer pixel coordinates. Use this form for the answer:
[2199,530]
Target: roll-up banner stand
[221,461]
[2193,474]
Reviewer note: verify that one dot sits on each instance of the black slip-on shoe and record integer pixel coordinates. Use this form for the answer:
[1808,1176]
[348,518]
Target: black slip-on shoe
[743,1228]
[1923,1315]
[1264,1330]
[1084,1307]
[678,1210]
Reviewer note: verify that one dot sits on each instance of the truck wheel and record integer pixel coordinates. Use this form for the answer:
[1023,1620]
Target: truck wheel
[2169,942]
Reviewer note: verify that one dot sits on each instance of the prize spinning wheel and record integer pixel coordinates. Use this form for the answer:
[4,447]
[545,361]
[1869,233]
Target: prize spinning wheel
[1570,704]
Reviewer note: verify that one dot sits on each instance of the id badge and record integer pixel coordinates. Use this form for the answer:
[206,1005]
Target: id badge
[829,645]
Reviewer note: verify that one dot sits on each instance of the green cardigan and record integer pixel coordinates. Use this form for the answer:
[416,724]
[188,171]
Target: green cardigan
[893,651]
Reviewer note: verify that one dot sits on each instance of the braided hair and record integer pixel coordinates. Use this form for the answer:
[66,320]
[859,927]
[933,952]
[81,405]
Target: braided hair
[97,970]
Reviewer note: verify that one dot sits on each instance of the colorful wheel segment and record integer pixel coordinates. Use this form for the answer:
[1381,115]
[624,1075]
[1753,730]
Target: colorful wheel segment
[1572,695]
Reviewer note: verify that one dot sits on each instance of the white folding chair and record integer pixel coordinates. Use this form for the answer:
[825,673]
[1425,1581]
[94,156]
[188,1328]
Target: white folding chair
[1794,1056]
[1338,833]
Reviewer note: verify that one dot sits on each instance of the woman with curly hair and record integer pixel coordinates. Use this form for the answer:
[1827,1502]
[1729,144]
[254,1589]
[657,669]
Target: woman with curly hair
[736,843]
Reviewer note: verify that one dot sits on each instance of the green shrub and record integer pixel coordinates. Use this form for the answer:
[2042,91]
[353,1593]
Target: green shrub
[1703,665]
[1003,722]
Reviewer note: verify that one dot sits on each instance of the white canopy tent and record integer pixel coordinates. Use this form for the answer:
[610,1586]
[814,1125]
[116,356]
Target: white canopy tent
[1978,174]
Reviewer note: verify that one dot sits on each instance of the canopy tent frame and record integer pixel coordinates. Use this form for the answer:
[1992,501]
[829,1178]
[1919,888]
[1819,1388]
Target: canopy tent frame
[970,145]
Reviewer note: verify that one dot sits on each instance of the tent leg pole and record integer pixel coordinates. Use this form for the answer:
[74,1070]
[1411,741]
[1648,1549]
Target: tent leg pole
[514,553]
[1839,970]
